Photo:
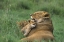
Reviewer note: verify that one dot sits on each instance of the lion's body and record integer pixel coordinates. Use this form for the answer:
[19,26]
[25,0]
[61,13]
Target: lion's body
[43,29]
[39,36]
[46,26]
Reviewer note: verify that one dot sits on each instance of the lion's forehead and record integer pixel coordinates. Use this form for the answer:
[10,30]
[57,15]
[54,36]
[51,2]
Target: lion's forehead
[40,13]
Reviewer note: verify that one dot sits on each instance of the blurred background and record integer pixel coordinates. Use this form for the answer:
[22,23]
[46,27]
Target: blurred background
[12,11]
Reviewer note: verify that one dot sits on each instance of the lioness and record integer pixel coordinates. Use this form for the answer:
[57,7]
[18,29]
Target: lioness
[26,29]
[40,16]
[43,29]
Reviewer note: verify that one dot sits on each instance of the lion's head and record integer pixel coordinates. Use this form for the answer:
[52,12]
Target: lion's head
[40,15]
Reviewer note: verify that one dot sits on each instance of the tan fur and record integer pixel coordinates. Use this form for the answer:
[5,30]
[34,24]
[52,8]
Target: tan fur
[26,29]
[22,23]
[39,15]
[39,36]
[42,17]
[43,29]
[46,26]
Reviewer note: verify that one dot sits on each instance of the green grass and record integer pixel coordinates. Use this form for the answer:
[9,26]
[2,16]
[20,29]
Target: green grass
[9,32]
[21,9]
[58,28]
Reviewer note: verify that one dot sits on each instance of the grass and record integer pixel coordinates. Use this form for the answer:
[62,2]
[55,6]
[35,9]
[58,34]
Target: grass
[9,32]
[58,28]
[21,9]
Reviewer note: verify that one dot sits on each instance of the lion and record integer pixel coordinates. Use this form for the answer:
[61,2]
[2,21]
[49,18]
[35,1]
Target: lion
[39,36]
[39,16]
[38,33]
[21,24]
[43,29]
[26,29]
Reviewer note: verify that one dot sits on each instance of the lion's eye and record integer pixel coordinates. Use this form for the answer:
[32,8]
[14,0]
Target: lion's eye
[33,19]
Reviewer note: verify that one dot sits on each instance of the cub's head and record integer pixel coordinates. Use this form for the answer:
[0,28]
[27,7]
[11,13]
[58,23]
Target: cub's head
[22,23]
[39,15]
[32,23]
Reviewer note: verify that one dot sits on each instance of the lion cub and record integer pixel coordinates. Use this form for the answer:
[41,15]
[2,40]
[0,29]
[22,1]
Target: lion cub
[26,29]
[21,24]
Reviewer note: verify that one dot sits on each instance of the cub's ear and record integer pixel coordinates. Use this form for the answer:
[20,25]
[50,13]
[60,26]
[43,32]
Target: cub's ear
[17,23]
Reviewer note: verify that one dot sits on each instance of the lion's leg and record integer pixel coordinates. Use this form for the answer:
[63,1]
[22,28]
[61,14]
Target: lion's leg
[26,39]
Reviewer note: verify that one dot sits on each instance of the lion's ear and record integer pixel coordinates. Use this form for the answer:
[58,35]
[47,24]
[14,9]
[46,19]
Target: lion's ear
[47,15]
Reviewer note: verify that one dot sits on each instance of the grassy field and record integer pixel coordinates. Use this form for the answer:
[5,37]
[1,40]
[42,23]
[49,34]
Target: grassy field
[20,10]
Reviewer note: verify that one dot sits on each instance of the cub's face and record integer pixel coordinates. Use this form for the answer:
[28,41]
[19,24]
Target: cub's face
[38,16]
[32,23]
